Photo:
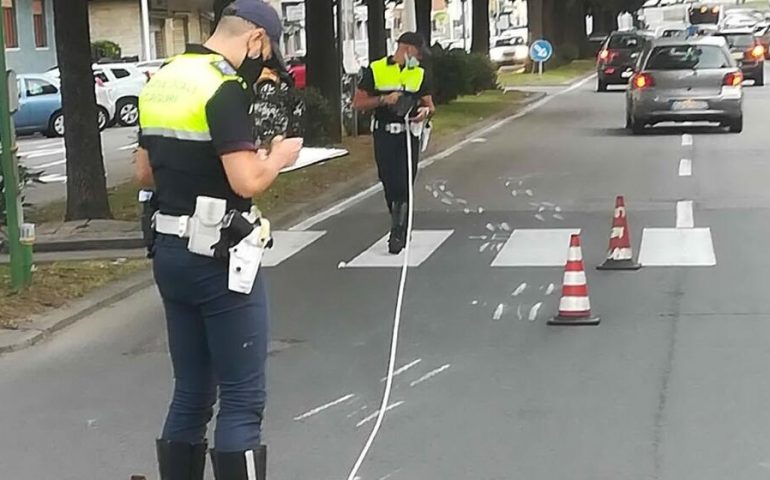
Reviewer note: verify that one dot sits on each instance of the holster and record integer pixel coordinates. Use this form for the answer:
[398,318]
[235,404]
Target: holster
[242,244]
[149,208]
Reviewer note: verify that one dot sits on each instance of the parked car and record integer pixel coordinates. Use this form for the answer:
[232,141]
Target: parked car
[509,50]
[683,80]
[748,52]
[40,107]
[616,59]
[125,81]
[762,33]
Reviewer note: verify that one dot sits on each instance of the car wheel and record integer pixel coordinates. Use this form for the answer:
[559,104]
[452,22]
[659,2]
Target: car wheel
[637,126]
[601,86]
[55,125]
[128,112]
[629,123]
[736,125]
[103,118]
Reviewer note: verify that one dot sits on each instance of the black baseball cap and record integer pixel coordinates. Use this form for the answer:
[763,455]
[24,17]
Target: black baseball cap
[416,40]
[262,15]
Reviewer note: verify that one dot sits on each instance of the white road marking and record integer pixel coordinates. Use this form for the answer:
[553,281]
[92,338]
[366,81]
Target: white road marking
[519,290]
[42,153]
[424,244]
[686,140]
[533,311]
[403,369]
[677,247]
[479,140]
[684,214]
[43,166]
[53,178]
[550,289]
[287,244]
[498,312]
[540,217]
[430,375]
[535,248]
[518,312]
[340,207]
[374,415]
[685,167]
[326,406]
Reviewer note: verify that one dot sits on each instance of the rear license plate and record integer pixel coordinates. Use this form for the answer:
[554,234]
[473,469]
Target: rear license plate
[689,105]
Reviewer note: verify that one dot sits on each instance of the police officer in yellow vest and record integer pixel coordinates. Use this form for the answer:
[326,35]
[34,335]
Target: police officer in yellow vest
[396,87]
[197,151]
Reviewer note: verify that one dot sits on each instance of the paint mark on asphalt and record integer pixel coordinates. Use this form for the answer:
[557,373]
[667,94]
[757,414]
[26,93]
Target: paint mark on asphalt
[479,140]
[518,312]
[557,216]
[539,217]
[684,214]
[534,310]
[685,167]
[519,290]
[498,312]
[550,289]
[529,192]
[686,140]
[430,375]
[320,409]
[403,369]
[374,415]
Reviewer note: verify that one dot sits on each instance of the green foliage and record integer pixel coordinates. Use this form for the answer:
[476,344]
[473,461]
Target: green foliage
[456,72]
[317,118]
[105,49]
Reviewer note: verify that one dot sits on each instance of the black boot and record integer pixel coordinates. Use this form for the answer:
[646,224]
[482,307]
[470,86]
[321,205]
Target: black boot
[399,218]
[180,461]
[238,465]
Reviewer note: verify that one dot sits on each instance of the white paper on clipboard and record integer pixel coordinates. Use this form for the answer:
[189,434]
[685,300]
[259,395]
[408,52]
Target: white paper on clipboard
[312,155]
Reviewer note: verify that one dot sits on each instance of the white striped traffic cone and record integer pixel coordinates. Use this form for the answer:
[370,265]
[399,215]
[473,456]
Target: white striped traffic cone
[574,306]
[620,255]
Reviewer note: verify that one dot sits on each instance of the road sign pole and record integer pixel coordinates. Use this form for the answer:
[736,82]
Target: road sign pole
[540,68]
[10,177]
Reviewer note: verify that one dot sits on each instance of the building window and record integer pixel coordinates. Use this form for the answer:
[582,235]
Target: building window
[38,21]
[9,22]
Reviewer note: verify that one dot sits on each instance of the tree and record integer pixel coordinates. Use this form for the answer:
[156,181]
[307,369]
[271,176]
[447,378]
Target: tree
[423,10]
[480,29]
[86,184]
[378,46]
[323,61]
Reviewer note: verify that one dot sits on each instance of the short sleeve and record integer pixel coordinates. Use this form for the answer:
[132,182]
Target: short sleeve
[427,85]
[230,124]
[367,81]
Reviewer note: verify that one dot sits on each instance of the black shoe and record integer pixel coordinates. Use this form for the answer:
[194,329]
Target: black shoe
[399,218]
[180,461]
[240,465]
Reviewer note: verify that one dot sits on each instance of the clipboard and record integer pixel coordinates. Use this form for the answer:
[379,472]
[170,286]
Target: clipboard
[312,155]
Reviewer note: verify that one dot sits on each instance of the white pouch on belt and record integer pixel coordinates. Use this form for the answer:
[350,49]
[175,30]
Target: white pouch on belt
[205,224]
[245,259]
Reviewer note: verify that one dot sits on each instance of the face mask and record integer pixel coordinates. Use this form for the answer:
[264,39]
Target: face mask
[412,62]
[251,69]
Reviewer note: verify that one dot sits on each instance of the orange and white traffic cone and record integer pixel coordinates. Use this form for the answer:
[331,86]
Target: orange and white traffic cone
[574,306]
[620,255]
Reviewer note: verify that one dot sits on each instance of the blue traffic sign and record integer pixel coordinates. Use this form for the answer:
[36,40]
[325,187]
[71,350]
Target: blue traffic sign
[541,50]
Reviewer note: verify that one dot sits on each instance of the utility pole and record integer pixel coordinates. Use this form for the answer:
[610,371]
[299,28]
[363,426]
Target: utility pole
[146,30]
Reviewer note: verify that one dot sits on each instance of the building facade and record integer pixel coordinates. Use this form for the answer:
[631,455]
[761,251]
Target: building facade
[29,35]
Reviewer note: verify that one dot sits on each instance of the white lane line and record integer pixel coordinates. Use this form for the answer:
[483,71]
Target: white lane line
[684,214]
[519,290]
[355,199]
[43,166]
[53,178]
[686,140]
[374,415]
[430,375]
[401,370]
[320,409]
[685,167]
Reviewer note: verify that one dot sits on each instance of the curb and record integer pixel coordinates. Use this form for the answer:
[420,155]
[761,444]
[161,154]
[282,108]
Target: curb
[46,324]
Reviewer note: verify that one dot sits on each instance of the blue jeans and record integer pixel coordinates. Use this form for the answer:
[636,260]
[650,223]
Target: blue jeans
[217,338]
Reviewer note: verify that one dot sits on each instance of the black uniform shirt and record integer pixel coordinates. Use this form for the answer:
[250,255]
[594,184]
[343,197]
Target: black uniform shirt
[184,169]
[385,113]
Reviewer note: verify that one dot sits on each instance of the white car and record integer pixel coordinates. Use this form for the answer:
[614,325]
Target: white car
[509,50]
[124,81]
[149,67]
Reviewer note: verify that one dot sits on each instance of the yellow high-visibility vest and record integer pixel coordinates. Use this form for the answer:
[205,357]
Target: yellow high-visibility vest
[390,77]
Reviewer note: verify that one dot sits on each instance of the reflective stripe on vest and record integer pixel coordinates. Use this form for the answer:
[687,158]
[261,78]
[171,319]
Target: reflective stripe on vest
[173,103]
[389,77]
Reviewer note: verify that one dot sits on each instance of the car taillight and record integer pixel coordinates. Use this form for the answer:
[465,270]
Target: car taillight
[607,55]
[99,81]
[758,51]
[733,79]
[641,81]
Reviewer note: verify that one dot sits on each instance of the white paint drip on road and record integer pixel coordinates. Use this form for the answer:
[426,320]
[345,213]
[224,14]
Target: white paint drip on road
[386,477]
[403,369]
[355,199]
[686,140]
[539,217]
[534,310]
[684,214]
[43,166]
[519,290]
[374,415]
[498,312]
[550,289]
[685,167]
[320,409]
[430,375]
[518,312]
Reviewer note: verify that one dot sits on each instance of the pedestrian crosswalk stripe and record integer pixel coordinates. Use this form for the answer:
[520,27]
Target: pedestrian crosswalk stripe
[287,244]
[423,244]
[677,247]
[535,248]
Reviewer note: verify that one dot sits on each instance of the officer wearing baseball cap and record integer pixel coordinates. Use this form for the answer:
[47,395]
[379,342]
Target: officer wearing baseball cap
[197,151]
[395,87]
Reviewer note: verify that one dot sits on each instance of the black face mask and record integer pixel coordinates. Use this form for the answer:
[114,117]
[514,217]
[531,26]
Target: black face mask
[251,69]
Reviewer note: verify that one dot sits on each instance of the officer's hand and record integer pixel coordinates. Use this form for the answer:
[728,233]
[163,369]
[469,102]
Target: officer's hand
[392,98]
[422,114]
[286,151]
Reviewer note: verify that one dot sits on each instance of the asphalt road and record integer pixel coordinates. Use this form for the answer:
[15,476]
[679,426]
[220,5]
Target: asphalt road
[672,385]
[48,155]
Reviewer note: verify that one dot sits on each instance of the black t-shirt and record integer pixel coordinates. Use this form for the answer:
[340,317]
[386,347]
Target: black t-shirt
[386,114]
[184,169]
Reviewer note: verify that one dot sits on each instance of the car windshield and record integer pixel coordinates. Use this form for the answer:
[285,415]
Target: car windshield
[687,57]
[739,40]
[507,42]
[704,15]
[650,3]
[622,42]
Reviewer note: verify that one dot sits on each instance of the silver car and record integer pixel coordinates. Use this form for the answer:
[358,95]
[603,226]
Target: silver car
[685,80]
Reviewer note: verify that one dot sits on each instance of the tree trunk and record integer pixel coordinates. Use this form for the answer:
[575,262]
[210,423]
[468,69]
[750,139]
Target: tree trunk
[424,24]
[480,33]
[535,19]
[574,27]
[86,185]
[323,64]
[378,47]
[219,6]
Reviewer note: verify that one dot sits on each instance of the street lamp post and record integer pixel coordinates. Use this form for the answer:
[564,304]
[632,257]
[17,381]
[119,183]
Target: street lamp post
[146,29]
[465,28]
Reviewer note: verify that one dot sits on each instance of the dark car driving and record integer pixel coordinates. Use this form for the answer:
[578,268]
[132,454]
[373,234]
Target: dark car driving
[748,51]
[616,59]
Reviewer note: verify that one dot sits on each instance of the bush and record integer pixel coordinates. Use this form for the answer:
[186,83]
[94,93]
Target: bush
[316,118]
[483,73]
[455,73]
[105,49]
